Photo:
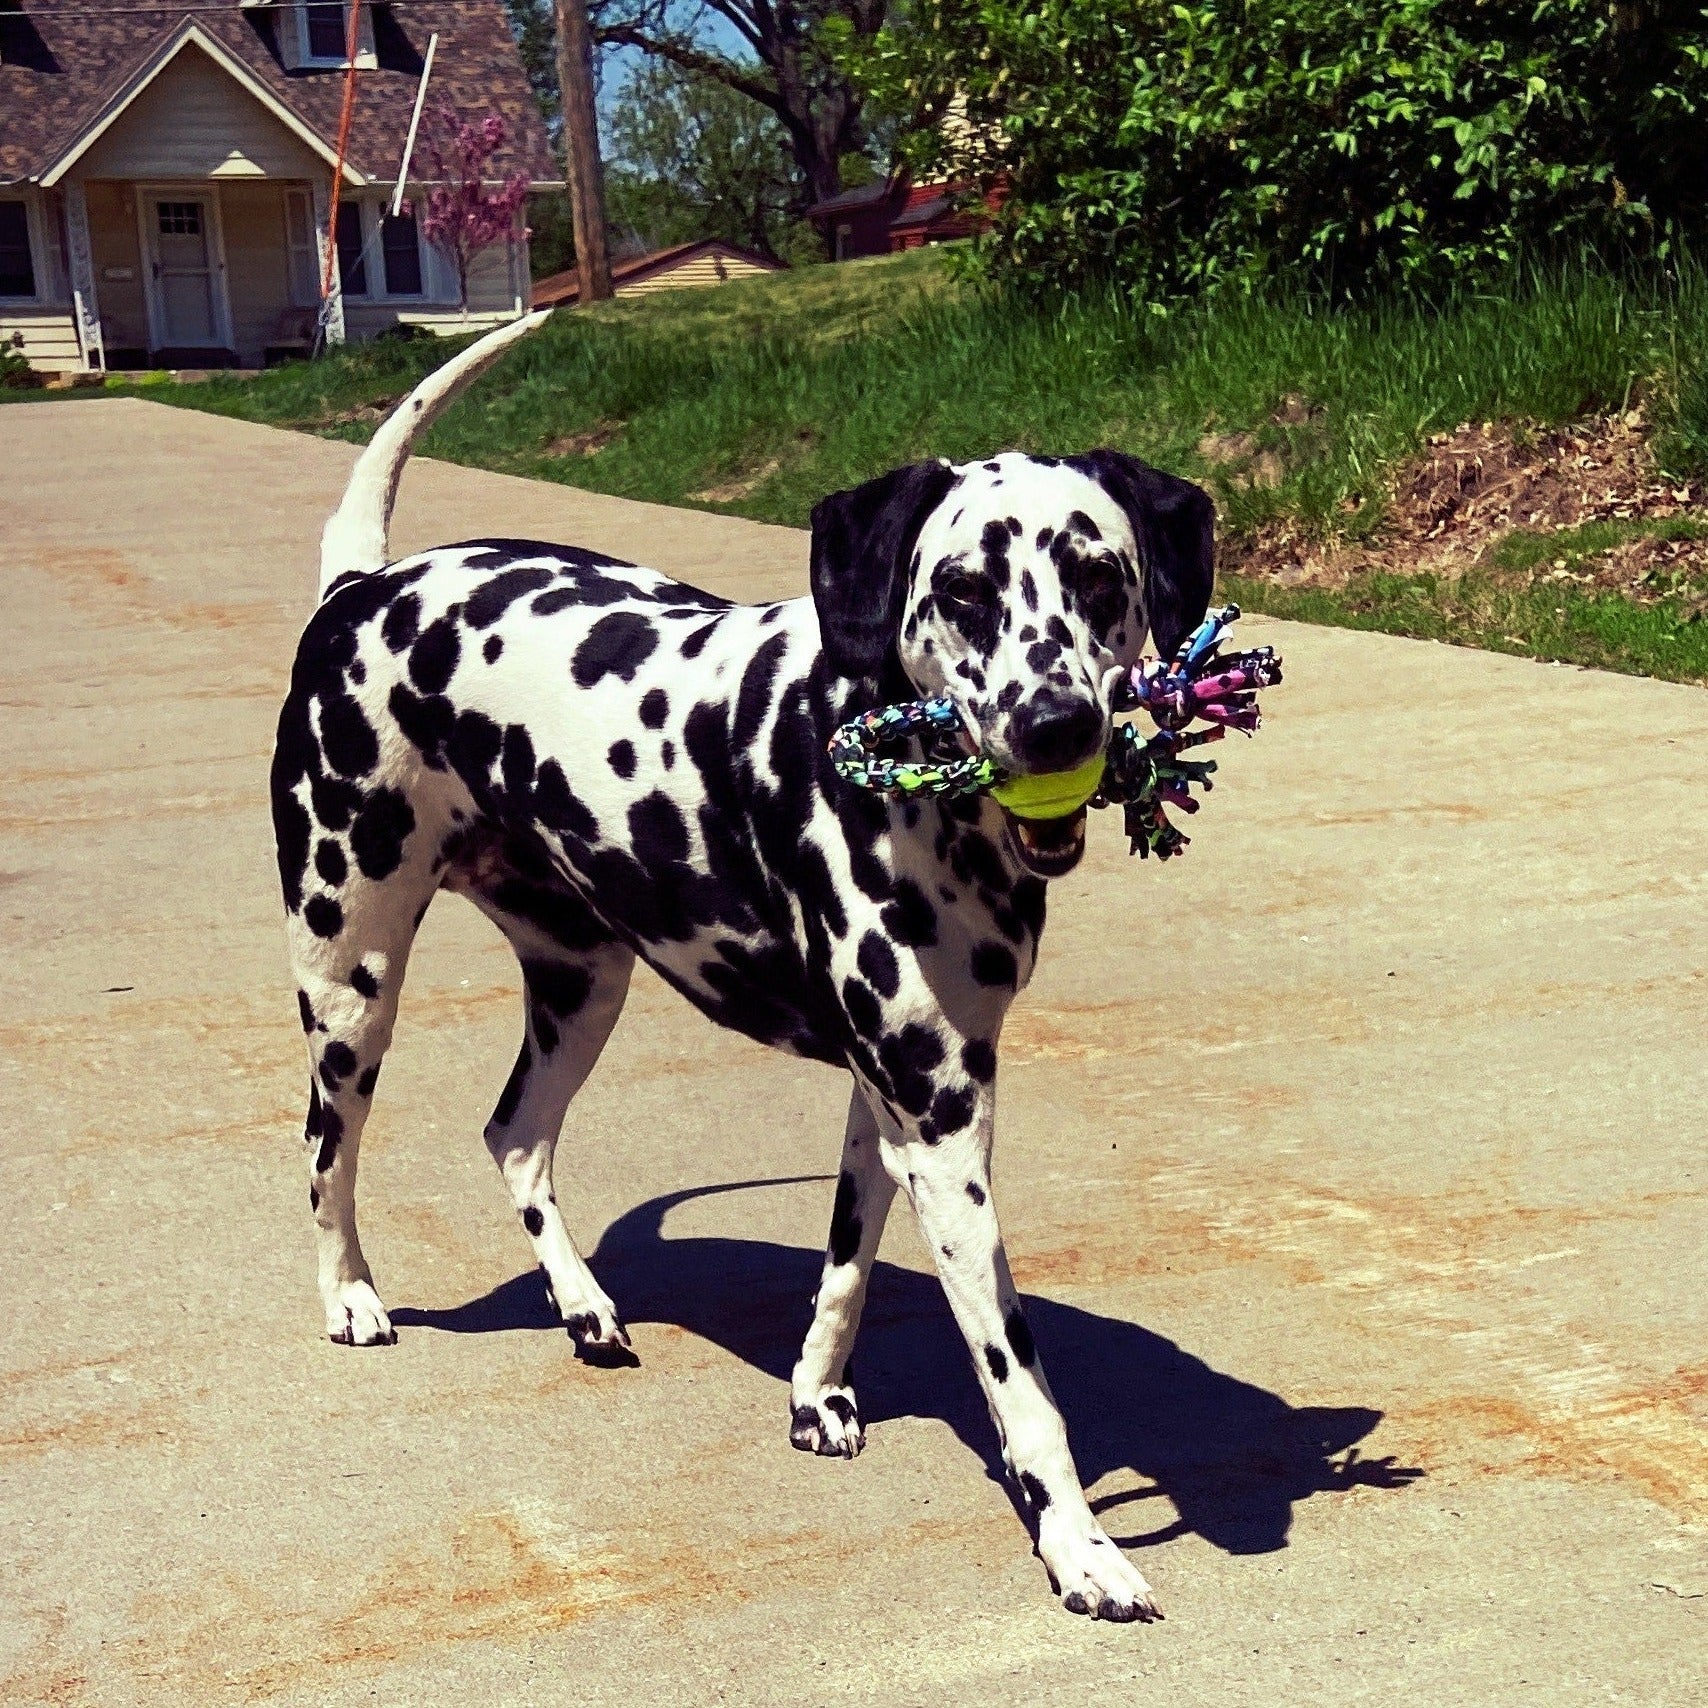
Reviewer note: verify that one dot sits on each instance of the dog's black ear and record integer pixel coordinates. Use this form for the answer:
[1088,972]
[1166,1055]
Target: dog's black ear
[1175,525]
[861,543]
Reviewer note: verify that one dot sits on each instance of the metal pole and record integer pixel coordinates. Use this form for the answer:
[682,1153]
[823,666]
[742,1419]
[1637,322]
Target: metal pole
[414,122]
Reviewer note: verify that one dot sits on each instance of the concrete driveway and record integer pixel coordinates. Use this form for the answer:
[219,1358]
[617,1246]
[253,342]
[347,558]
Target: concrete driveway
[1353,1167]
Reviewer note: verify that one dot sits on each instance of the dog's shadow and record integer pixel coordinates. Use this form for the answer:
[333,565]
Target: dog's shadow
[1232,1458]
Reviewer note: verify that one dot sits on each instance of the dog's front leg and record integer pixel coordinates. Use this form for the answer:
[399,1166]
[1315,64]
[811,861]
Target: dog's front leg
[949,1182]
[823,1415]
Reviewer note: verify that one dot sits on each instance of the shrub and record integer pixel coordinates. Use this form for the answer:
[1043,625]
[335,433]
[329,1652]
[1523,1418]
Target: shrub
[1178,145]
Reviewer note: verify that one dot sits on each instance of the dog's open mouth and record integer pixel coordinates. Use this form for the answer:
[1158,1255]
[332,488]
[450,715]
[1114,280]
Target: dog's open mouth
[1048,847]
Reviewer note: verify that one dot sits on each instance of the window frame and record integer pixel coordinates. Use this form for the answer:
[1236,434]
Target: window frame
[34,250]
[307,60]
[378,291]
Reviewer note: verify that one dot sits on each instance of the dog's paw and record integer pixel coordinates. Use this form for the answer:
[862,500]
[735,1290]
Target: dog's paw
[1092,1576]
[828,1425]
[600,1337]
[355,1317]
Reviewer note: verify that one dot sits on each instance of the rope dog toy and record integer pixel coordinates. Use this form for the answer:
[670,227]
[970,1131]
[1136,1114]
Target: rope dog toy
[1141,776]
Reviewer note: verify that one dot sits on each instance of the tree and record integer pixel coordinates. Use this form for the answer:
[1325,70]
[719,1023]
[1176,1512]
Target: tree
[581,149]
[461,216]
[783,55]
[691,158]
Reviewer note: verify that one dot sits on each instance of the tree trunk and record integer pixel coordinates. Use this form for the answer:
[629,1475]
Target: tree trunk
[581,145]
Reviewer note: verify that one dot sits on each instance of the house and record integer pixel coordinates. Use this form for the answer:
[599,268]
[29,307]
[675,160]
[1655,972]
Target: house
[892,214]
[166,175]
[710,261]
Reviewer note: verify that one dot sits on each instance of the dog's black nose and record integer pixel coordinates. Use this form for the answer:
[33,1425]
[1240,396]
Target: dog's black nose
[1054,733]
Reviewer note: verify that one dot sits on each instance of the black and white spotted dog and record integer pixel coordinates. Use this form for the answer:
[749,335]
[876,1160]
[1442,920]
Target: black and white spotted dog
[609,764]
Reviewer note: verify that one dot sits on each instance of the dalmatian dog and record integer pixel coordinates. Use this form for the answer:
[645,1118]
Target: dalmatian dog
[611,764]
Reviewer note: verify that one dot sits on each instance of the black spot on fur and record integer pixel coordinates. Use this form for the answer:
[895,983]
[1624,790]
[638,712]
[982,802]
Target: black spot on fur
[910,918]
[654,708]
[331,1137]
[975,1191]
[845,1226]
[659,831]
[621,758]
[330,863]
[908,1056]
[305,1011]
[951,1110]
[998,1362]
[1037,1496]
[337,1063]
[346,737]
[533,1221]
[617,645]
[979,1059]
[363,982]
[863,1009]
[994,964]
[695,644]
[323,916]
[1019,1334]
[494,646]
[433,658]
[667,755]
[370,1078]
[877,962]
[489,602]
[562,986]
[558,806]
[402,621]
[382,826]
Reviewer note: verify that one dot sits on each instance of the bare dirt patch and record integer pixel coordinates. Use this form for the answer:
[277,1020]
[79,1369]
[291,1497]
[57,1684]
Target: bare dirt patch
[589,442]
[1484,481]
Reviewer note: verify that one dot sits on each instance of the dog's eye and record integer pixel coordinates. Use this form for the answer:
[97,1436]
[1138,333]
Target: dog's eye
[964,593]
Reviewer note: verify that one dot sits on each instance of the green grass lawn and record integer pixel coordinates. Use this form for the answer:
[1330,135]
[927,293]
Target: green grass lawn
[759,396]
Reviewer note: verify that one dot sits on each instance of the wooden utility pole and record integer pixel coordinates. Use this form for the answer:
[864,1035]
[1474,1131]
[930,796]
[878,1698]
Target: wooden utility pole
[581,148]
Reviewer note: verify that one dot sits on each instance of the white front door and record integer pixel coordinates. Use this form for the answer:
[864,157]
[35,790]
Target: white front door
[186,272]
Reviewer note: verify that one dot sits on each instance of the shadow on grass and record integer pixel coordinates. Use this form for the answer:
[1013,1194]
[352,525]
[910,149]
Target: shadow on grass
[1230,1457]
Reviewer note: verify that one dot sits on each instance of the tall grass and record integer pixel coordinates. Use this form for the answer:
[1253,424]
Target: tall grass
[758,398]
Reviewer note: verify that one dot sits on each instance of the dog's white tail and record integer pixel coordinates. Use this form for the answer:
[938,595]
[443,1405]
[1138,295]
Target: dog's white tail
[355,538]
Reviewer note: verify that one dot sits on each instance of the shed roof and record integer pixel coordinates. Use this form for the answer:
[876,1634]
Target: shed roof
[65,63]
[558,289]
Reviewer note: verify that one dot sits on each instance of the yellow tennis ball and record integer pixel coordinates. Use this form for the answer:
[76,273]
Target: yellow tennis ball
[1054,794]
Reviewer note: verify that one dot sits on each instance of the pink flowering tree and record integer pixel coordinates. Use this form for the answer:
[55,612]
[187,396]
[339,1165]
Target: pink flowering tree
[465,210]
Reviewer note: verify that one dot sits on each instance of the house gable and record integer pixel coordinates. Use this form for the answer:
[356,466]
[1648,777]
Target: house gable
[194,111]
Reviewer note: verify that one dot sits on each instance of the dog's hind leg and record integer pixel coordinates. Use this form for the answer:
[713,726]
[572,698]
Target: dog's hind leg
[823,1416]
[575,980]
[349,956]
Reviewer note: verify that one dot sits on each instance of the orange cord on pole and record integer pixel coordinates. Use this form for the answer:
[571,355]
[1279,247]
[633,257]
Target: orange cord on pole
[345,114]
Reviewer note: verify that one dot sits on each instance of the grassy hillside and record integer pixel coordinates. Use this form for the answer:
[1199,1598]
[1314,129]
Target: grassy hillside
[1311,426]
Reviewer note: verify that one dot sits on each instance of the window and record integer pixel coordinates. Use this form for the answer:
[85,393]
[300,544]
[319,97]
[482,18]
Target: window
[402,255]
[180,219]
[352,262]
[326,27]
[302,262]
[17,266]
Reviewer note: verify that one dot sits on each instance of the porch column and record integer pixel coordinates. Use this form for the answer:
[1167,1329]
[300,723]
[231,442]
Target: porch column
[85,306]
[326,243]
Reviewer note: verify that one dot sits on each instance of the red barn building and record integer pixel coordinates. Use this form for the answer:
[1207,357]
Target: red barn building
[895,214]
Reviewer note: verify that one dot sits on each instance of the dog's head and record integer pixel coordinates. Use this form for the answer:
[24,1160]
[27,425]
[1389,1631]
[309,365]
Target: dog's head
[1022,588]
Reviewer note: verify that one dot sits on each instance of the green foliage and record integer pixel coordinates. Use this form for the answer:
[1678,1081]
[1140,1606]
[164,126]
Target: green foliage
[689,157]
[1175,146]
[760,396]
[16,374]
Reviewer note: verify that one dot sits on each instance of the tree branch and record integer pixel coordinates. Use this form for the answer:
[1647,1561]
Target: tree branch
[691,58]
